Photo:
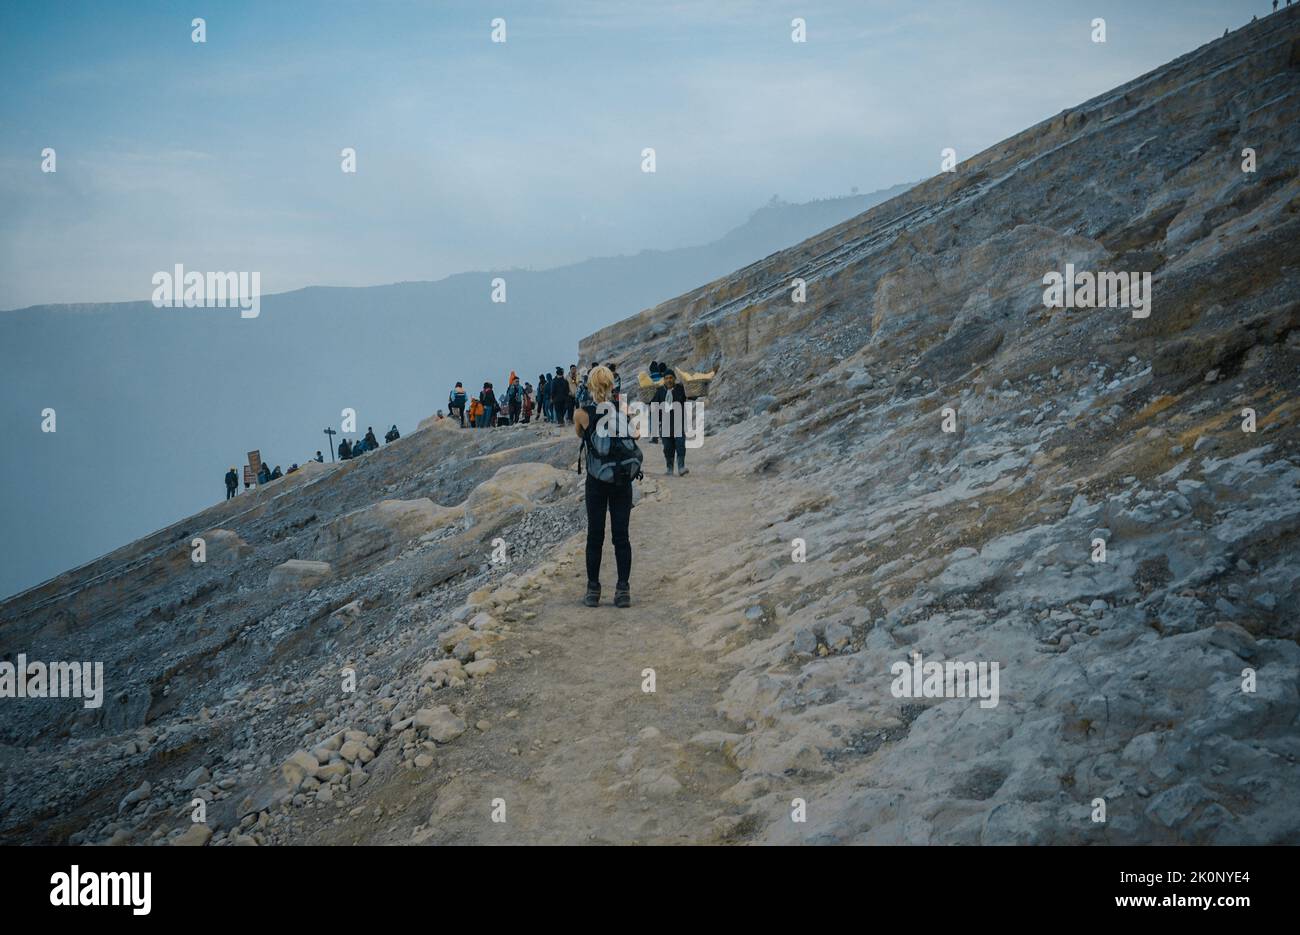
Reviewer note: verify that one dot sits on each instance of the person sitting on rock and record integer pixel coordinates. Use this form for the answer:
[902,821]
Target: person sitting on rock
[393,435]
[276,474]
[371,442]
[320,458]
[345,450]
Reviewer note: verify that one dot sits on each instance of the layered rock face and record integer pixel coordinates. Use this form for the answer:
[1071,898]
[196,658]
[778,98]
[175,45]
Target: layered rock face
[1104,504]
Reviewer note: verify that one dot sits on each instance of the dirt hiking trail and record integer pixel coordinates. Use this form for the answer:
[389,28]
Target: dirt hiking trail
[562,734]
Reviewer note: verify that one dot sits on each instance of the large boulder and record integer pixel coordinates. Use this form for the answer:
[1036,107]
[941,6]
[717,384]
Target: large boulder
[359,538]
[223,546]
[444,424]
[297,574]
[513,490]
[439,723]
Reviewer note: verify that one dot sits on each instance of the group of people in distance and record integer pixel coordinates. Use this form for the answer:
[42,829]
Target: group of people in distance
[368,442]
[347,450]
[560,398]
[554,399]
[575,398]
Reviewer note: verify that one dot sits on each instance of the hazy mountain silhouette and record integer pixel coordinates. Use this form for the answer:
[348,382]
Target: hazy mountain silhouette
[153,405]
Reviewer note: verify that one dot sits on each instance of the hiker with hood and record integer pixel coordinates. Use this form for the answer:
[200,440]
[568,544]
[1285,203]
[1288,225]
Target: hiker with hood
[263,475]
[514,397]
[345,450]
[489,400]
[276,474]
[393,435]
[232,483]
[611,491]
[320,458]
[456,401]
[671,429]
[371,442]
[560,400]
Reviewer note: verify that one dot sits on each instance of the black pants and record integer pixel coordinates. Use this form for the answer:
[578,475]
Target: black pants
[514,413]
[617,499]
[230,492]
[675,443]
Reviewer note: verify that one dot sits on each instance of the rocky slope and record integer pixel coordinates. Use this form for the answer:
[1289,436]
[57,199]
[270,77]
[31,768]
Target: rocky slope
[1120,680]
[488,706]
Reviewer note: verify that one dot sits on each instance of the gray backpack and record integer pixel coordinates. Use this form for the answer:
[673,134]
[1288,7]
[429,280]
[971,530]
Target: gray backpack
[612,457]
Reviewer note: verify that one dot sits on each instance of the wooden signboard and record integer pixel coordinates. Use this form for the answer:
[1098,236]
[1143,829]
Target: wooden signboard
[255,462]
[248,476]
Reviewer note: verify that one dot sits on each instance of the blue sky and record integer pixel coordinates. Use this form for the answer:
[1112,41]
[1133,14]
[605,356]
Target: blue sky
[471,155]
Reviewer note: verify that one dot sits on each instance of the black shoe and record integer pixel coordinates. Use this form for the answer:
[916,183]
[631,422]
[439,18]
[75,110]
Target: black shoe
[592,597]
[621,597]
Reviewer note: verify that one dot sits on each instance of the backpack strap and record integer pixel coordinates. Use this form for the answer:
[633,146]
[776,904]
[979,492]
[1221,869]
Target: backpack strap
[586,433]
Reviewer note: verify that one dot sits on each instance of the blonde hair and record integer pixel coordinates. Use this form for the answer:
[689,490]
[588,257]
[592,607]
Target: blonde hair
[601,383]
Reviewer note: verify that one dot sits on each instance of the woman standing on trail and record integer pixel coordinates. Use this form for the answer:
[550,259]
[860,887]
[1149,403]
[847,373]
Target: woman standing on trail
[601,496]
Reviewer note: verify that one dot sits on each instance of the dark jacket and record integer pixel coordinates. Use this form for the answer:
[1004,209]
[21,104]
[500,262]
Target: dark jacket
[667,423]
[232,480]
